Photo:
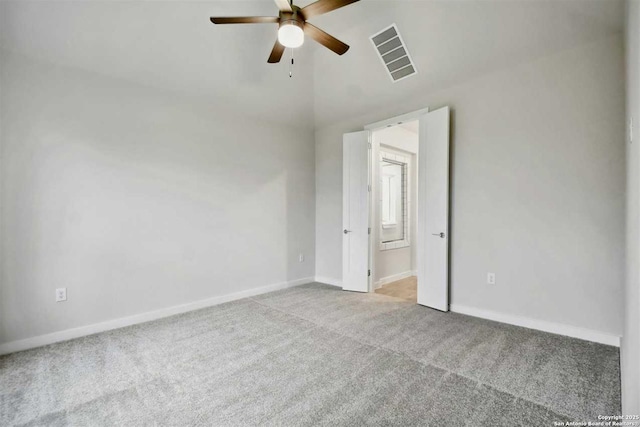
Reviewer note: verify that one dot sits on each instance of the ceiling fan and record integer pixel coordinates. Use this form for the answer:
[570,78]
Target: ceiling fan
[293,25]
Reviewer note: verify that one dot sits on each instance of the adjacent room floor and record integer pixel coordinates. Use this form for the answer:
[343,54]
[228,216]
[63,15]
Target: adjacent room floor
[406,289]
[312,355]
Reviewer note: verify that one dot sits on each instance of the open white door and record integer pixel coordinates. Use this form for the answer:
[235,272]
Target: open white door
[433,210]
[355,212]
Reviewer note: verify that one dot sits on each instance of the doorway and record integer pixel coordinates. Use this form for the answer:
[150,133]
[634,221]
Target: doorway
[394,211]
[377,209]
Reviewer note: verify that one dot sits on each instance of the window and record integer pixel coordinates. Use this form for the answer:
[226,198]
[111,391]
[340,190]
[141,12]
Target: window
[394,216]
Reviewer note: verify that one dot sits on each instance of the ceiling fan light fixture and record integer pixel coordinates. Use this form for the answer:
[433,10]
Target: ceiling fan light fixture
[293,26]
[291,34]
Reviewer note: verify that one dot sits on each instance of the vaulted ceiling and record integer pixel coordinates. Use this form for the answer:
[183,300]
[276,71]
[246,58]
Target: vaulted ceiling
[451,41]
[172,45]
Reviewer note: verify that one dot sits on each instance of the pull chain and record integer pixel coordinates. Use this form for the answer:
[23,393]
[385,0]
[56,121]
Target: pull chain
[291,65]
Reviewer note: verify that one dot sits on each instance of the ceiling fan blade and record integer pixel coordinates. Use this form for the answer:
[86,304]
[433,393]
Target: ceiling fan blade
[246,20]
[276,53]
[324,6]
[284,5]
[325,39]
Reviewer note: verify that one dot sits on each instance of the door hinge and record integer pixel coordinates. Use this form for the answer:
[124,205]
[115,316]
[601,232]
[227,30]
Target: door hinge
[369,145]
[369,230]
[369,273]
[369,188]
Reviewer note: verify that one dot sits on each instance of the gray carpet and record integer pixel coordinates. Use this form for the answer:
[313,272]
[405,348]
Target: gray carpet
[312,355]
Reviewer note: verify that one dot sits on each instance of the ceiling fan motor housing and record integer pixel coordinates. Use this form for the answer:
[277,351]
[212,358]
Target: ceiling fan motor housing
[292,18]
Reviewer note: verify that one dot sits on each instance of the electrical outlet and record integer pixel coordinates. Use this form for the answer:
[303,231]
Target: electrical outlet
[61,294]
[491,278]
[301,258]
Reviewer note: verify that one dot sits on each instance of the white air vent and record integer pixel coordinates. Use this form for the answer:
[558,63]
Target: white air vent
[393,53]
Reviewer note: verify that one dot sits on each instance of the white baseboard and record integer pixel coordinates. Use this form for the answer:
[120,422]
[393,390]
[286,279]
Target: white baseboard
[329,281]
[540,325]
[33,342]
[395,277]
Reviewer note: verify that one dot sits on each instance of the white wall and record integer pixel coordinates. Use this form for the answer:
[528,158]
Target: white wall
[388,264]
[630,352]
[1,169]
[135,199]
[538,188]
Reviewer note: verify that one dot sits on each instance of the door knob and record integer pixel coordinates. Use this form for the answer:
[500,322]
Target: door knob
[439,234]
[346,231]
